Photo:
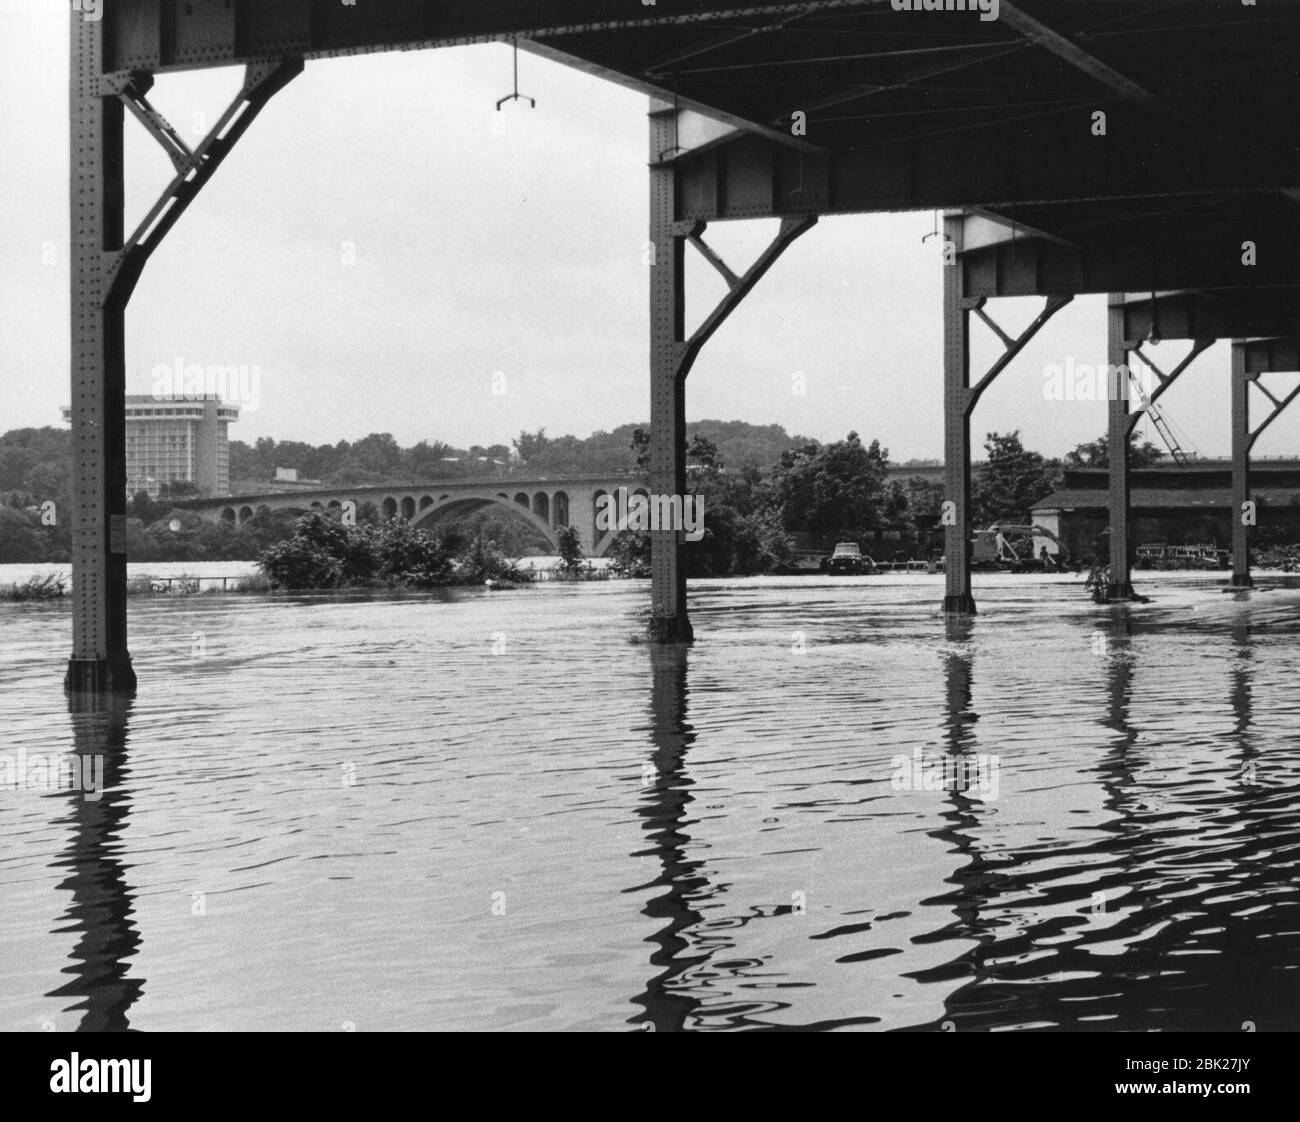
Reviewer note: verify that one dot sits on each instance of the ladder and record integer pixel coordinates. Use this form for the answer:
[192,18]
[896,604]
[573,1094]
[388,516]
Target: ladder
[1161,426]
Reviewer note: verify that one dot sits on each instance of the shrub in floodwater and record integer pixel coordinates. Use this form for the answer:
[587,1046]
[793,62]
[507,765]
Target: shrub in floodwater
[629,554]
[482,562]
[408,556]
[320,554]
[325,553]
[42,586]
[570,549]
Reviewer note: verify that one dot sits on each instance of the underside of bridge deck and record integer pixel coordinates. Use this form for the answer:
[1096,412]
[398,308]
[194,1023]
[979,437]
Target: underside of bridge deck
[1094,145]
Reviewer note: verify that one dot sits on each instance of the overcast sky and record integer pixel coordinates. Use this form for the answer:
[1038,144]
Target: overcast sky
[476,251]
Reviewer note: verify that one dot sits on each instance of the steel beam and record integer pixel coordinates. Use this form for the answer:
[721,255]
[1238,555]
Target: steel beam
[106,265]
[161,35]
[998,168]
[1121,424]
[1214,314]
[957,598]
[1250,359]
[1040,35]
[669,621]
[100,662]
[1240,414]
[1118,585]
[959,401]
[673,353]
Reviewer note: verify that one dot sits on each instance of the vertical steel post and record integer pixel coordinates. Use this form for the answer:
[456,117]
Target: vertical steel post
[1119,586]
[1240,465]
[668,619]
[100,661]
[956,425]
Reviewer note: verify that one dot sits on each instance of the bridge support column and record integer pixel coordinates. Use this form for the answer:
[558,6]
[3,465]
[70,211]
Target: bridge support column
[105,269]
[672,355]
[100,662]
[1241,443]
[1121,386]
[669,622]
[957,598]
[959,401]
[1119,425]
[1250,360]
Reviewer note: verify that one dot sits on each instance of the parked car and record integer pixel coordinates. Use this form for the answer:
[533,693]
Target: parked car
[849,560]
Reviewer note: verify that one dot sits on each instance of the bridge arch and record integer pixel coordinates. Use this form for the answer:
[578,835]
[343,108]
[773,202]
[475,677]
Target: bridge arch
[245,513]
[228,514]
[389,508]
[472,504]
[408,507]
[560,509]
[426,501]
[542,507]
[605,538]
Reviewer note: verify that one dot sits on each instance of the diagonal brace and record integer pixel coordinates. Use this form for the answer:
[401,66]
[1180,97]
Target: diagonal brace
[133,94]
[1166,380]
[261,82]
[706,251]
[1278,407]
[1012,347]
[791,228]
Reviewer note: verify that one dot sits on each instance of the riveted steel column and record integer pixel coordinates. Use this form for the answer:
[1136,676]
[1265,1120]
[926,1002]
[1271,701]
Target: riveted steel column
[100,660]
[1118,586]
[1240,466]
[668,619]
[956,425]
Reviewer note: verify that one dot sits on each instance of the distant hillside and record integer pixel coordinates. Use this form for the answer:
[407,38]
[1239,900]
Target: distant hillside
[378,458]
[36,463]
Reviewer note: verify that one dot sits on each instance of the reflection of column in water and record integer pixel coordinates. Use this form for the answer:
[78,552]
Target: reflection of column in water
[1242,709]
[663,811]
[976,881]
[100,909]
[668,1001]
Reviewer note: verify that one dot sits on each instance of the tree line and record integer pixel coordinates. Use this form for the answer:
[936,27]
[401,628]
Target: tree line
[764,491]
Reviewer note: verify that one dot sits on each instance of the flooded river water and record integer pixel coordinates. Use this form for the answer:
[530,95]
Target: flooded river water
[495,810]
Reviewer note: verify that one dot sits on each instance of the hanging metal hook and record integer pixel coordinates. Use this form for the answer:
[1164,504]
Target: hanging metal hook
[517,96]
[933,233]
[674,147]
